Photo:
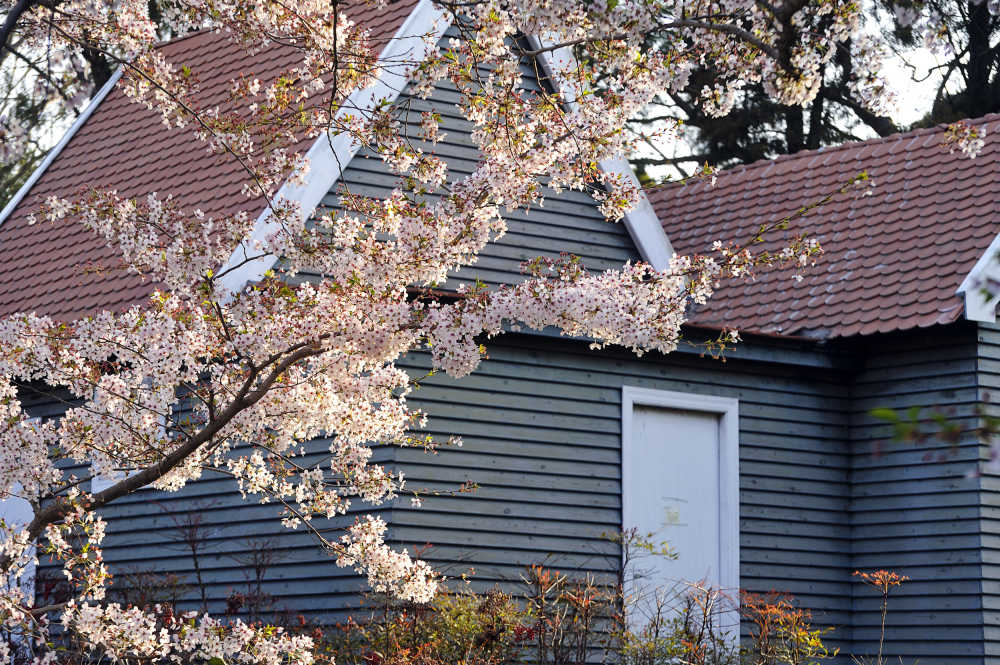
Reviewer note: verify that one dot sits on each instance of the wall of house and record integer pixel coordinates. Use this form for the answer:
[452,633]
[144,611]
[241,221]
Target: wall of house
[823,490]
[988,367]
[541,423]
[542,439]
[915,505]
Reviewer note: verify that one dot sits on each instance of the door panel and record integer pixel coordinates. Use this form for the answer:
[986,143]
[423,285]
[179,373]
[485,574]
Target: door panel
[673,492]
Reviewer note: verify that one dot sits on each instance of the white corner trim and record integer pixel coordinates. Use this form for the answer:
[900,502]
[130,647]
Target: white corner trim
[328,156]
[641,221]
[729,464]
[54,152]
[986,270]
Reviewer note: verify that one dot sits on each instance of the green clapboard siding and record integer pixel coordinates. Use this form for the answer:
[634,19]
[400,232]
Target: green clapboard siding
[823,490]
[540,421]
[988,367]
[915,506]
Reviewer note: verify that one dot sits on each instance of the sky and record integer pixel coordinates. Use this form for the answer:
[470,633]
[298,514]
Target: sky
[914,97]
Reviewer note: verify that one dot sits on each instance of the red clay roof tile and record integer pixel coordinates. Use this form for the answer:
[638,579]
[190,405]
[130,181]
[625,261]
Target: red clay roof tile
[892,260]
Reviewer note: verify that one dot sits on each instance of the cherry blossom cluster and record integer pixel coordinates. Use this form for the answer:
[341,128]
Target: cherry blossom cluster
[636,307]
[134,633]
[83,563]
[965,138]
[388,571]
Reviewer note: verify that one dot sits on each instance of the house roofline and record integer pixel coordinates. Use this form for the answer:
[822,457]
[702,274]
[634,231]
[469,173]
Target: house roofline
[54,152]
[331,155]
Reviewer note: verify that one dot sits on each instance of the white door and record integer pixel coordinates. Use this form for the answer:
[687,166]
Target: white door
[680,484]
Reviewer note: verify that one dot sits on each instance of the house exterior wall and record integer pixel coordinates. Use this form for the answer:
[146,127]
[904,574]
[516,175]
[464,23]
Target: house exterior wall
[542,431]
[541,426]
[988,368]
[916,506]
[541,422]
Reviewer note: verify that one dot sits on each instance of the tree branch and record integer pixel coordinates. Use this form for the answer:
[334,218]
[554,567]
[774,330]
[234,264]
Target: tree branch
[245,398]
[13,16]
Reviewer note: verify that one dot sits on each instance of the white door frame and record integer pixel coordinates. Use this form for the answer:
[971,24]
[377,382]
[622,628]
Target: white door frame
[729,466]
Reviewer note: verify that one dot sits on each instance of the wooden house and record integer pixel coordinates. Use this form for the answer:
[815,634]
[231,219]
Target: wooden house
[766,471]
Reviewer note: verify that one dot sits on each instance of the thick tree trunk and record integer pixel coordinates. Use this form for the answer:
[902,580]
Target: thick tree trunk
[980,60]
[795,137]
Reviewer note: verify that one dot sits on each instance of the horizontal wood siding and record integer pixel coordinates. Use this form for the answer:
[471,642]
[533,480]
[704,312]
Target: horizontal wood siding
[915,507]
[540,420]
[989,395]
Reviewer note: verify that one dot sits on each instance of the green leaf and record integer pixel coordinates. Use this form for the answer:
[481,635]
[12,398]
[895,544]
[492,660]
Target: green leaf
[885,413]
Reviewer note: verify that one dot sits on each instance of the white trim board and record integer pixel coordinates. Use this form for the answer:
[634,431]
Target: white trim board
[328,156]
[986,270]
[642,222]
[729,466]
[54,152]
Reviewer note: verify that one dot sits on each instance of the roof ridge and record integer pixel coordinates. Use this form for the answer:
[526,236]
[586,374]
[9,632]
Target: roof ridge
[188,35]
[825,150]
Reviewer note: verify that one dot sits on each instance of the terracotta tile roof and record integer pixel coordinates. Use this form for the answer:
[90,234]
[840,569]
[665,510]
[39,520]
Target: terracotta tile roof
[892,260]
[66,271]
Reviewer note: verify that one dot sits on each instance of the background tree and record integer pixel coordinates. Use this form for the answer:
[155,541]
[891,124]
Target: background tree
[967,47]
[42,90]
[962,36]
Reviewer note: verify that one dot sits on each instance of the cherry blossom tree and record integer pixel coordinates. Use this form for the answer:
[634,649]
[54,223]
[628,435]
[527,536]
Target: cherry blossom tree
[235,379]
